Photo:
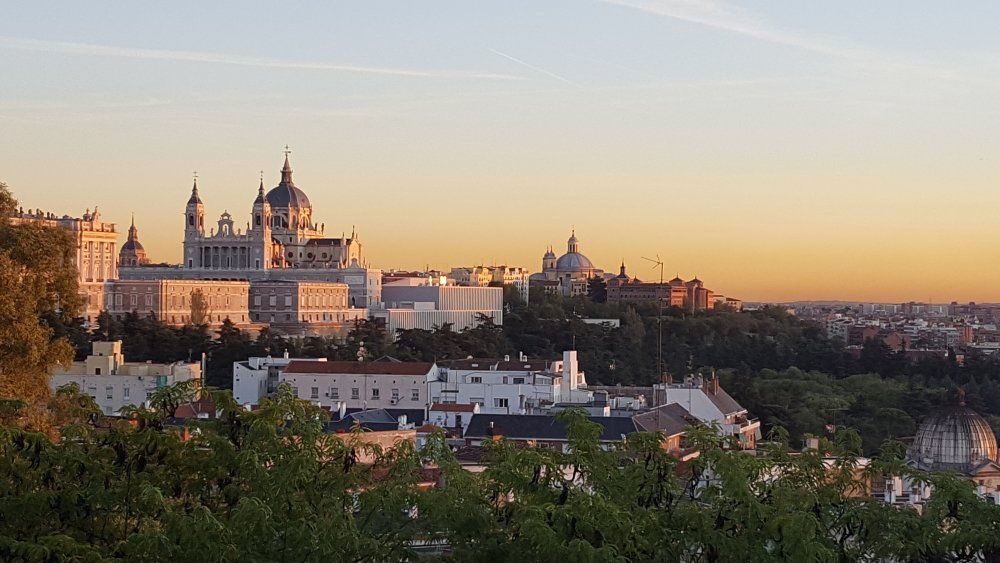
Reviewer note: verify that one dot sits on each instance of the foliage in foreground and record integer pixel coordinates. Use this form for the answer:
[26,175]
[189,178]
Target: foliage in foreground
[270,486]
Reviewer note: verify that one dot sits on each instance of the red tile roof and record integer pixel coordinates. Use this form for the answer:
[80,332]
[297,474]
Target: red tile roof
[360,368]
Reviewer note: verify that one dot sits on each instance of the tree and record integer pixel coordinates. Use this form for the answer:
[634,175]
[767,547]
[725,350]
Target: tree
[200,313]
[38,281]
[597,290]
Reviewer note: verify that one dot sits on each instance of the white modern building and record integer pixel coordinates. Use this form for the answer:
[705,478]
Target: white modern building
[115,383]
[427,306]
[519,386]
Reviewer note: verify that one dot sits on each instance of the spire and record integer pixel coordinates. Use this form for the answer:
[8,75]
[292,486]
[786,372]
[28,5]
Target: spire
[133,233]
[286,170]
[194,191]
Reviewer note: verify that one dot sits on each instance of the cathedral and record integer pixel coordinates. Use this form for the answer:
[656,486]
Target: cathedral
[281,234]
[567,274]
[281,243]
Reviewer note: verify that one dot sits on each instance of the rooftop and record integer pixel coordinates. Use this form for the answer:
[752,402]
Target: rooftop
[359,368]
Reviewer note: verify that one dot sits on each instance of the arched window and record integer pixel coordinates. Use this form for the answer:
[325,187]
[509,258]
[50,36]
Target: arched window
[191,220]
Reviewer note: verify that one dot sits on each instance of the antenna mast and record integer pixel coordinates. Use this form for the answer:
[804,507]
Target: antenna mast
[657,263]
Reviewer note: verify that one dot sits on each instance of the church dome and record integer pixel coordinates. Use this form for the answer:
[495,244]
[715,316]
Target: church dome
[955,439]
[132,246]
[574,262]
[286,194]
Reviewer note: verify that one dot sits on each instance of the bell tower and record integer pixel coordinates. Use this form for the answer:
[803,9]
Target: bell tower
[194,228]
[260,229]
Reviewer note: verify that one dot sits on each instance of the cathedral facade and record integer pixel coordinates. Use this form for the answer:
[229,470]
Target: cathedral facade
[281,242]
[281,234]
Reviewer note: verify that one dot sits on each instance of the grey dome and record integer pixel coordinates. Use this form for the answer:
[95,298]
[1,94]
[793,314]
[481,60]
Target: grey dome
[955,439]
[131,245]
[286,194]
[574,262]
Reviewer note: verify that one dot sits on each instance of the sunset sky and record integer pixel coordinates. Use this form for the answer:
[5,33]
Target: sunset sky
[778,150]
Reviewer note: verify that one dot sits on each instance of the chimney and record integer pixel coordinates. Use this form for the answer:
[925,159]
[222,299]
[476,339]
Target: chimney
[342,409]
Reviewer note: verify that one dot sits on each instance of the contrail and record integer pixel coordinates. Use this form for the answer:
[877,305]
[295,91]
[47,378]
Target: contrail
[88,49]
[536,69]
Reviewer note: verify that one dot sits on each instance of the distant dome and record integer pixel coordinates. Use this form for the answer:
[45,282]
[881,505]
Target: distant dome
[132,245]
[574,262]
[955,439]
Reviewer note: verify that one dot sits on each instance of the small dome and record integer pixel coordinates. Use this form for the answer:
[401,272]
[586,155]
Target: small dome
[956,439]
[574,262]
[132,245]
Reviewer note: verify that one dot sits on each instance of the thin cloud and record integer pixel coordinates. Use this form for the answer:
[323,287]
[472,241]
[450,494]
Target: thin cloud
[536,69]
[87,49]
[721,16]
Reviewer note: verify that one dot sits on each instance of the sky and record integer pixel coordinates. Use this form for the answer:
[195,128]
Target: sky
[779,150]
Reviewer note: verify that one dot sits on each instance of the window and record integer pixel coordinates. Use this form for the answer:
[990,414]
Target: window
[477,401]
[334,393]
[415,396]
[475,379]
[314,393]
[500,403]
[97,371]
[126,392]
[518,381]
[295,391]
[149,300]
[109,391]
[375,393]
[272,301]
[395,395]
[92,391]
[354,393]
[132,300]
[256,300]
[288,301]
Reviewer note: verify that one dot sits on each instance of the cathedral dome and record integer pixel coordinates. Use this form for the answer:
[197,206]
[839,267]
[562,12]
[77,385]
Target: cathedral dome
[286,194]
[955,439]
[574,262]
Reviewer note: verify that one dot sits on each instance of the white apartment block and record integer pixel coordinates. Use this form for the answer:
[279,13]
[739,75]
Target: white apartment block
[519,386]
[115,383]
[258,377]
[708,402]
[361,385]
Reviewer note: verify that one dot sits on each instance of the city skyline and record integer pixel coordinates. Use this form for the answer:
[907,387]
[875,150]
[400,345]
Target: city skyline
[776,153]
